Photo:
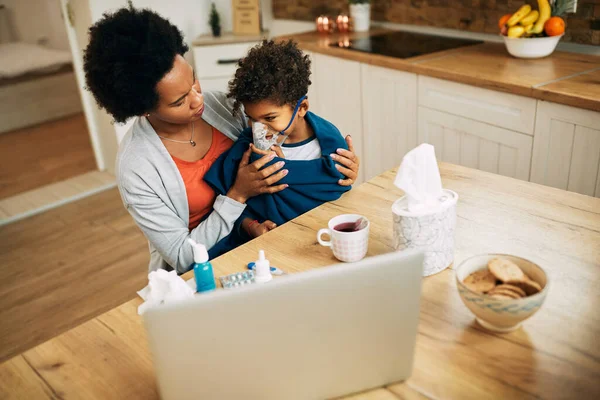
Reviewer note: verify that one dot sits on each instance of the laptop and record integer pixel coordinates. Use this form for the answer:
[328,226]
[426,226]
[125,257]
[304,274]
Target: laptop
[318,334]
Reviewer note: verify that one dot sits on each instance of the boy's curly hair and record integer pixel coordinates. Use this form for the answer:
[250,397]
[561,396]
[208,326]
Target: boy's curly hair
[275,71]
[129,52]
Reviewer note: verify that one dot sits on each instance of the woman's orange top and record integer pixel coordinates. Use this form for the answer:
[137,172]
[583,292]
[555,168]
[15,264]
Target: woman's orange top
[199,194]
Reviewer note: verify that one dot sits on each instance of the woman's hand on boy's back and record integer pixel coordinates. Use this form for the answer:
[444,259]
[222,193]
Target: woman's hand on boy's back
[349,161]
[251,180]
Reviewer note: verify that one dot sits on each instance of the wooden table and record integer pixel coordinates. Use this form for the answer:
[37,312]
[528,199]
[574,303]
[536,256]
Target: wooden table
[556,354]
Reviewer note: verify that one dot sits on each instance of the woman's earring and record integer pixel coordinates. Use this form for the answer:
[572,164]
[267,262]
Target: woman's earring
[147,115]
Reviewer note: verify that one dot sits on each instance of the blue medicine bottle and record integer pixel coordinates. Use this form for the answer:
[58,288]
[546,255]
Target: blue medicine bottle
[203,270]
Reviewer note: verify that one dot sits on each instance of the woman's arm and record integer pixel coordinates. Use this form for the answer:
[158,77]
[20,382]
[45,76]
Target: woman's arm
[168,233]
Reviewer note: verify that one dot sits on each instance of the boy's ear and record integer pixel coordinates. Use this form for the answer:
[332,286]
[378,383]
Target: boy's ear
[303,108]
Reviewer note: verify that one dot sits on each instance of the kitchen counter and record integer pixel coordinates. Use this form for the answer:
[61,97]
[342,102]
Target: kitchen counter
[567,78]
[554,355]
[228,38]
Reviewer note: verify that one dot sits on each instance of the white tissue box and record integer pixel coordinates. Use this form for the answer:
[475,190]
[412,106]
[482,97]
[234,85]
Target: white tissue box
[431,231]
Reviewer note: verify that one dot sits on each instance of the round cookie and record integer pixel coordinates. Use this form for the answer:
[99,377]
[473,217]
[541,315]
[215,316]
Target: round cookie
[530,286]
[506,271]
[501,297]
[480,281]
[512,288]
[504,292]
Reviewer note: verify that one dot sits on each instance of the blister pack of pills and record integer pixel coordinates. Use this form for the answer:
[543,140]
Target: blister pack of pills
[237,279]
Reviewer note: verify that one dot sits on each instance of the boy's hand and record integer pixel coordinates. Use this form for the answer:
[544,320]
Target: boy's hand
[254,229]
[275,148]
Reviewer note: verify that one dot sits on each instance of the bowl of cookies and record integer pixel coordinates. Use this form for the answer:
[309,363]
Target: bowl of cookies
[501,290]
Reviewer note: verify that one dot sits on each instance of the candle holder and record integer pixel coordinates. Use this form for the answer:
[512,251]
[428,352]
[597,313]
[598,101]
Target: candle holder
[343,23]
[325,24]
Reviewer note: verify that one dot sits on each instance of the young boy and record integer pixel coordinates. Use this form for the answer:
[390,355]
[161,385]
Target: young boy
[271,84]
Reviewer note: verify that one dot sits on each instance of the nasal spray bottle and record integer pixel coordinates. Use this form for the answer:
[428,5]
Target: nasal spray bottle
[262,269]
[203,270]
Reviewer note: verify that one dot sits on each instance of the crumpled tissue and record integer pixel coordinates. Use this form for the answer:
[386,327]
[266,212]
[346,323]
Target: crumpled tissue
[163,288]
[419,178]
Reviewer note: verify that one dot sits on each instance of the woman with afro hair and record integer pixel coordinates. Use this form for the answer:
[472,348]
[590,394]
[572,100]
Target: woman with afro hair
[134,67]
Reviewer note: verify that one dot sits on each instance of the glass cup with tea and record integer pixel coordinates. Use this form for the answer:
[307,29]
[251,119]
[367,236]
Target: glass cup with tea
[349,237]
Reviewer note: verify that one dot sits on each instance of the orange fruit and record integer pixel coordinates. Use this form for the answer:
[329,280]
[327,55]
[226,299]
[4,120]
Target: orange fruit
[554,26]
[503,20]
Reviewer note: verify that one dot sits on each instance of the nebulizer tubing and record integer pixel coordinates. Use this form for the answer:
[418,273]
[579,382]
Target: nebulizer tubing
[294,114]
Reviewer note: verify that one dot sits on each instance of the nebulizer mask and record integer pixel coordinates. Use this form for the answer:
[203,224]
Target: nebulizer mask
[265,137]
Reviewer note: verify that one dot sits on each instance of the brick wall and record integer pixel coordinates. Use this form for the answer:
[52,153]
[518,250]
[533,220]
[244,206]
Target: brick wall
[469,15]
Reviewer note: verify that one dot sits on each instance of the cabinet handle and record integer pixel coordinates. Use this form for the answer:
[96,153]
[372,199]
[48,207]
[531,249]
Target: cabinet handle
[228,61]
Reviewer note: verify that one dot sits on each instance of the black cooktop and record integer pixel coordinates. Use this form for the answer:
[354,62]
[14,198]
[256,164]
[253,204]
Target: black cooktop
[402,44]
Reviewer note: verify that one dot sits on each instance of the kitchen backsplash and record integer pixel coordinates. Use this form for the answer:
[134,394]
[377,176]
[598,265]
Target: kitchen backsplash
[470,15]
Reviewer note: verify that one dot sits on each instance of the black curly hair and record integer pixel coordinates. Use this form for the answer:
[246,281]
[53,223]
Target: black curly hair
[275,71]
[129,52]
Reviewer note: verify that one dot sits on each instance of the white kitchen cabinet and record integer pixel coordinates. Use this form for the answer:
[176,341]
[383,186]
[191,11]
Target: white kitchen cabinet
[312,95]
[215,84]
[215,64]
[389,109]
[475,144]
[335,94]
[509,111]
[566,148]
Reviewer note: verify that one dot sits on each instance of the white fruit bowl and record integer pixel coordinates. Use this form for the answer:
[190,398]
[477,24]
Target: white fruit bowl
[536,47]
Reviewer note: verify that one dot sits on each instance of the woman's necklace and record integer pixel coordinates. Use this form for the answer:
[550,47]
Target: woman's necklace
[191,141]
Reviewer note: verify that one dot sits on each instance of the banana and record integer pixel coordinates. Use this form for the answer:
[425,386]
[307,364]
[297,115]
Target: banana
[528,29]
[545,12]
[530,18]
[519,15]
[516,31]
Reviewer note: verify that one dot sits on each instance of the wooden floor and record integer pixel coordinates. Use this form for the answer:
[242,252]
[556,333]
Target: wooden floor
[43,154]
[65,266]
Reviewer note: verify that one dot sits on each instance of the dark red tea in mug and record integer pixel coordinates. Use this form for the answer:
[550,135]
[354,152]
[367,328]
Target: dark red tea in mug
[345,227]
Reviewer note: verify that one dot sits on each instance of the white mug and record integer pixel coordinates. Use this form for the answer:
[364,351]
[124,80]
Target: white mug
[346,246]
